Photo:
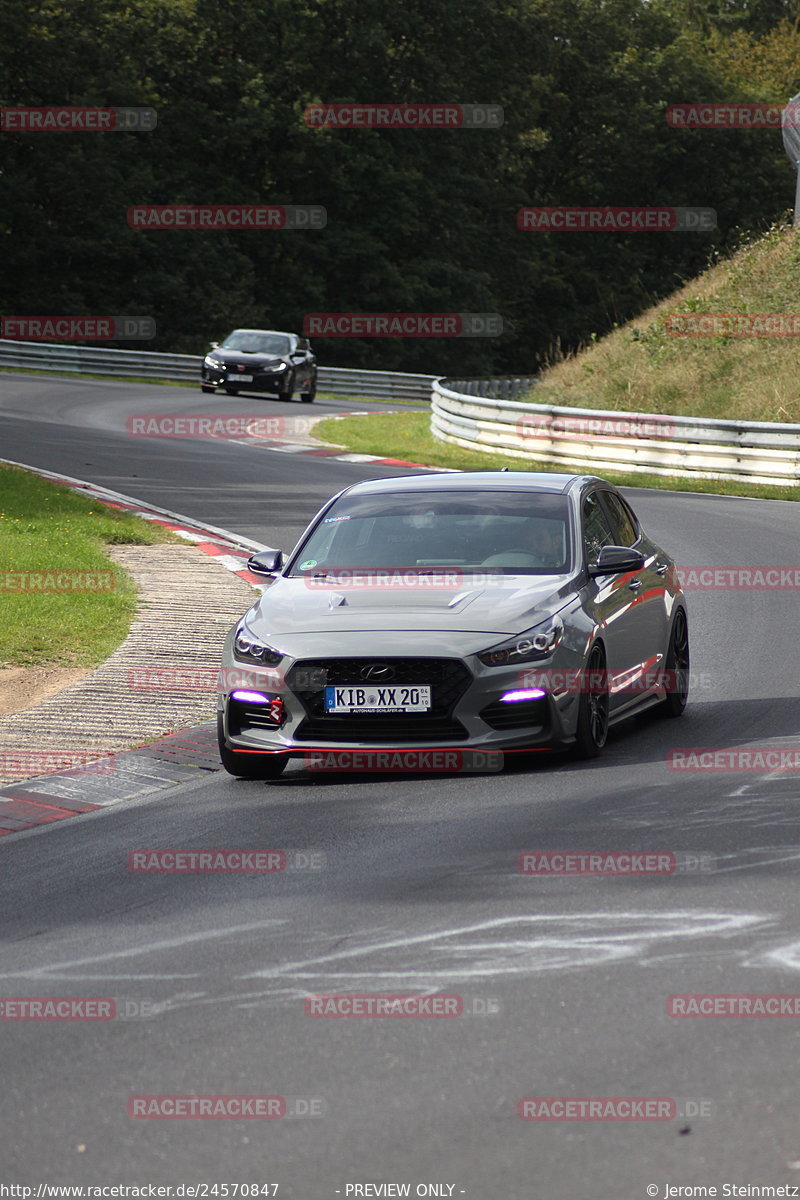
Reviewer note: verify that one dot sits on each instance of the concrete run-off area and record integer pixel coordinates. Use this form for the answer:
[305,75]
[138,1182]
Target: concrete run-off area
[159,681]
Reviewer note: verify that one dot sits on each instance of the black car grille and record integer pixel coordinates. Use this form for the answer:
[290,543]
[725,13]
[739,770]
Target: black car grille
[521,714]
[448,680]
[250,368]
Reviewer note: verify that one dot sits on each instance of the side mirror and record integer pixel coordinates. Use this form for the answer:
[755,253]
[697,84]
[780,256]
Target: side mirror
[614,560]
[266,562]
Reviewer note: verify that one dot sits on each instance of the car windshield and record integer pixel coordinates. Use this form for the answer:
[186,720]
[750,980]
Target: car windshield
[511,533]
[248,342]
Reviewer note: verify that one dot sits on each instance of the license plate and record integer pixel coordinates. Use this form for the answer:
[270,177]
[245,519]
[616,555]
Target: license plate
[240,378]
[406,699]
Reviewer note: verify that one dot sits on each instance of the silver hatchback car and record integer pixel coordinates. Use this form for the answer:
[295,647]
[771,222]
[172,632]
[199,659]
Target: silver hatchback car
[479,611]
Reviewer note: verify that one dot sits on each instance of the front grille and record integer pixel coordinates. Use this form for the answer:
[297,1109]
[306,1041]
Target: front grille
[521,714]
[373,727]
[448,680]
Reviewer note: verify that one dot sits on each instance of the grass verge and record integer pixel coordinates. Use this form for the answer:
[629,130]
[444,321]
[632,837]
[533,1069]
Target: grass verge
[408,436]
[644,367]
[48,529]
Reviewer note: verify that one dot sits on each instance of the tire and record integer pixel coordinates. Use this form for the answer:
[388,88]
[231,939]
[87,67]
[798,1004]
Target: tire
[205,388]
[232,391]
[677,669]
[309,396]
[250,766]
[592,728]
[289,393]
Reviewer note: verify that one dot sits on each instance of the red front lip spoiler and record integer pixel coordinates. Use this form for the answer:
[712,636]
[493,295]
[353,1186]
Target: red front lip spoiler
[397,750]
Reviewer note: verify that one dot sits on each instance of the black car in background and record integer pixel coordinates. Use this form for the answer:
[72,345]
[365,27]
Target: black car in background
[261,360]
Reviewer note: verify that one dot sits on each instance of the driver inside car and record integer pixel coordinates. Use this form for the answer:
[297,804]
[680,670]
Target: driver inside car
[538,546]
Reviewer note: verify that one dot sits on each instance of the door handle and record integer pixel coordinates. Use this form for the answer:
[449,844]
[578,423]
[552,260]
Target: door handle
[635,584]
[662,568]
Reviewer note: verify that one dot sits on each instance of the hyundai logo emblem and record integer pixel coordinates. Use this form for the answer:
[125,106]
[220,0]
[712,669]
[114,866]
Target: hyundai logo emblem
[377,673]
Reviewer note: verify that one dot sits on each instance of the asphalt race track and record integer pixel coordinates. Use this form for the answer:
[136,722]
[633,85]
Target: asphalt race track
[410,885]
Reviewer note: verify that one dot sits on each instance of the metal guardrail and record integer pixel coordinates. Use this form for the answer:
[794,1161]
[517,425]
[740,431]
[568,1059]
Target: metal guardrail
[95,360]
[646,443]
[494,389]
[149,364]
[380,385]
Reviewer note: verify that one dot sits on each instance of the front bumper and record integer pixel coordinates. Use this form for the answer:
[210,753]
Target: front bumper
[467,710]
[265,381]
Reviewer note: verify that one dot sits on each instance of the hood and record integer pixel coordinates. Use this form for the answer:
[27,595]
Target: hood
[506,605]
[234,357]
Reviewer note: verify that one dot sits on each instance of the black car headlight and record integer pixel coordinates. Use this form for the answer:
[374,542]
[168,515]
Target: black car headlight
[248,649]
[214,363]
[273,368]
[534,644]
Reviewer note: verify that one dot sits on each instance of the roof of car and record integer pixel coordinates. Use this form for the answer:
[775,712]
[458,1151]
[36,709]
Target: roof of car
[460,481]
[282,332]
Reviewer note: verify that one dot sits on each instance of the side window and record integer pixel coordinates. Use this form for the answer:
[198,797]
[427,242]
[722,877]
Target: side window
[622,525]
[596,528]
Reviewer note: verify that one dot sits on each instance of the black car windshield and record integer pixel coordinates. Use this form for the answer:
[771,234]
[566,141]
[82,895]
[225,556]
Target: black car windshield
[257,343]
[510,533]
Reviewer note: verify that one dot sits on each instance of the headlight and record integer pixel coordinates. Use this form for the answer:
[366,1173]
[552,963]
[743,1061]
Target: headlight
[274,367]
[214,362]
[536,643]
[246,648]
